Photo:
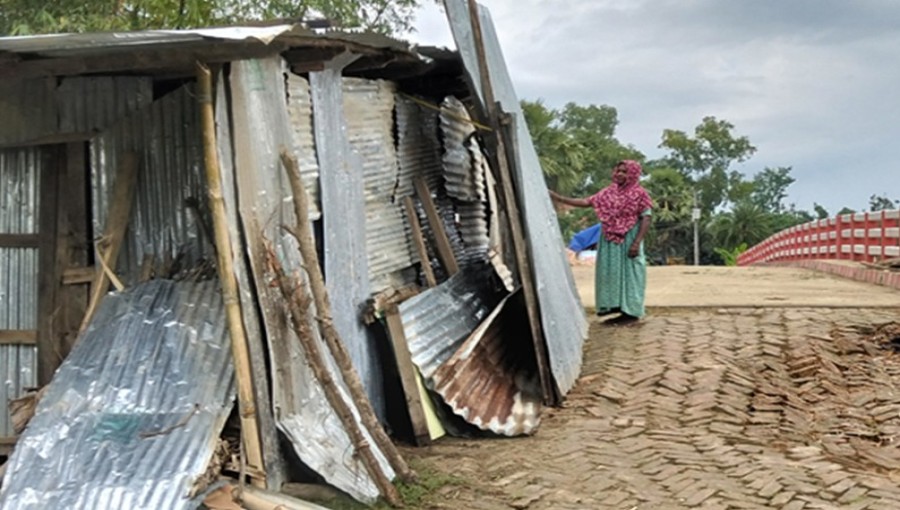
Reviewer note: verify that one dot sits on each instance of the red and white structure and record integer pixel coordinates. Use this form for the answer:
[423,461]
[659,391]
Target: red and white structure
[860,237]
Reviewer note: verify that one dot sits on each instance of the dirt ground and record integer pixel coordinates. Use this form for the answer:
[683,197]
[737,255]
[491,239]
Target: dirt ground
[791,401]
[716,286]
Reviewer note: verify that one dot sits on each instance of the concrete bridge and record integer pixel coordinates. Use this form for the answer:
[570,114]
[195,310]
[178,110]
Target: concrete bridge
[744,387]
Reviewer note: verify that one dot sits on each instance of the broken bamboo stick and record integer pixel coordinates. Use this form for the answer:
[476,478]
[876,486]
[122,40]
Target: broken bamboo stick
[442,242]
[117,219]
[310,256]
[298,302]
[239,349]
[419,240]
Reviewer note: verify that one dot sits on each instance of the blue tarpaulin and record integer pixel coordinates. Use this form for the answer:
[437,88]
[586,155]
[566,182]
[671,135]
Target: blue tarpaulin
[586,239]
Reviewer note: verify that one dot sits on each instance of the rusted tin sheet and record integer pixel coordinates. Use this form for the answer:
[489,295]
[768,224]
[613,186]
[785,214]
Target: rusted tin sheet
[562,315]
[491,381]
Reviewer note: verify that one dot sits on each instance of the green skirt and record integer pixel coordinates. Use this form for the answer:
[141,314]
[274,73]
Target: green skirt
[620,281]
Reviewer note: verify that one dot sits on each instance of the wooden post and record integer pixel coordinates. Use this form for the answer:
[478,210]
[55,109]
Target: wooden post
[298,302]
[48,276]
[310,256]
[239,349]
[419,241]
[117,218]
[520,246]
[407,377]
[442,242]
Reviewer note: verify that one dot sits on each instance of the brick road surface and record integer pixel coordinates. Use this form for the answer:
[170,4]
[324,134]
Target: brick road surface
[736,408]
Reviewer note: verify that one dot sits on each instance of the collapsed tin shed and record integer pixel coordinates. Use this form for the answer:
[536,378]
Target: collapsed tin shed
[402,199]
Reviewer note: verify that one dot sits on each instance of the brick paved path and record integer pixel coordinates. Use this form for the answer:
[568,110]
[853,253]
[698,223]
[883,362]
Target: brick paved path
[780,408]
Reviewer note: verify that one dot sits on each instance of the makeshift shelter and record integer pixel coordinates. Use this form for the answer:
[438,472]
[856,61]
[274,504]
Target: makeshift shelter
[262,161]
[586,239]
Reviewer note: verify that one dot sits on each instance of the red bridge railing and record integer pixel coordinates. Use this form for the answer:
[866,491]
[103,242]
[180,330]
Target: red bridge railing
[863,237]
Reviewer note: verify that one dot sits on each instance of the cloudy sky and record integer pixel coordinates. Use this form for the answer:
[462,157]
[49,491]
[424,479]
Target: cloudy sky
[814,84]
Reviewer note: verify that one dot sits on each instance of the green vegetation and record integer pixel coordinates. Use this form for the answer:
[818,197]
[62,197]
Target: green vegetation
[23,17]
[577,147]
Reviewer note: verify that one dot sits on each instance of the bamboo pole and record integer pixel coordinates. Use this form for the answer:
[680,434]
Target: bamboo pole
[307,243]
[298,302]
[117,218]
[239,349]
[419,240]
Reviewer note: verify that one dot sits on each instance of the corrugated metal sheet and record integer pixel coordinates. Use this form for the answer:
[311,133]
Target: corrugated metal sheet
[465,168]
[438,321]
[28,110]
[368,110]
[93,103]
[132,417]
[261,126]
[20,171]
[300,112]
[562,315]
[491,382]
[344,230]
[418,146]
[166,137]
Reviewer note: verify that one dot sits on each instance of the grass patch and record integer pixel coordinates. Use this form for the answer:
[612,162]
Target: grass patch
[413,495]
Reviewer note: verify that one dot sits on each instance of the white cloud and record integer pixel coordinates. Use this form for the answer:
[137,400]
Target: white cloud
[811,83]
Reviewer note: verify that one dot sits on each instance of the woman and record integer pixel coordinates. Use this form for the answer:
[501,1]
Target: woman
[623,209]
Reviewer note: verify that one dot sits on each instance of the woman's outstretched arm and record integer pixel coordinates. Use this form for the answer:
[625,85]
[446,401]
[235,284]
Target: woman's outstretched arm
[574,202]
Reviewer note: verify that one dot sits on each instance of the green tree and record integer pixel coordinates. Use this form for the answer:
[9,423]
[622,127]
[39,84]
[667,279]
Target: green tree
[672,233]
[22,17]
[770,188]
[821,212]
[846,210]
[882,203]
[561,156]
[744,223]
[706,158]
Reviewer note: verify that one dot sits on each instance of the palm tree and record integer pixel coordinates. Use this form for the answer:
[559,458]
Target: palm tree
[744,223]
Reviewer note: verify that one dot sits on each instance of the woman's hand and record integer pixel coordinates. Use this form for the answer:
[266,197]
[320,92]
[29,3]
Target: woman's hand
[634,250]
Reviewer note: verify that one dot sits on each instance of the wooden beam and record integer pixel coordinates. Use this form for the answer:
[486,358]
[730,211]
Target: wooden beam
[407,377]
[523,258]
[18,336]
[78,275]
[419,240]
[48,345]
[19,240]
[117,219]
[442,242]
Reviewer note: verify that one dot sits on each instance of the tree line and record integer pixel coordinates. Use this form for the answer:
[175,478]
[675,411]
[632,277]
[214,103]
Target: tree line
[577,147]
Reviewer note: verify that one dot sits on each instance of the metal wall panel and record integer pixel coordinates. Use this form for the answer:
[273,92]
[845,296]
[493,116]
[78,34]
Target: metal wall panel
[562,315]
[133,415]
[368,111]
[300,112]
[166,137]
[261,127]
[28,110]
[465,170]
[87,104]
[418,146]
[20,171]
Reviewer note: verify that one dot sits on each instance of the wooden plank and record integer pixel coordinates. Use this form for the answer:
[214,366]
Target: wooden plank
[73,244]
[500,137]
[407,377]
[120,202]
[444,248]
[78,275]
[19,240]
[419,240]
[18,337]
[49,356]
